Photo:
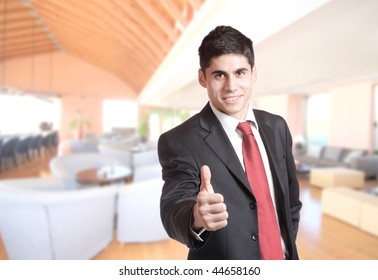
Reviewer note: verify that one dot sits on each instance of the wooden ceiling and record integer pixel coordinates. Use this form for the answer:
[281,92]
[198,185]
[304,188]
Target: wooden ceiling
[128,38]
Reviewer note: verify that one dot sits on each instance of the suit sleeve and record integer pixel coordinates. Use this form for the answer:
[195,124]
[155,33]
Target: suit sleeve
[179,195]
[294,192]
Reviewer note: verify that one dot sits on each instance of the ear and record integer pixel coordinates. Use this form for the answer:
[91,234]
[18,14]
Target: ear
[254,74]
[202,78]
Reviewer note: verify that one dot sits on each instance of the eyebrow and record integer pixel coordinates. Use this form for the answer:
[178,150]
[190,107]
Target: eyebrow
[217,72]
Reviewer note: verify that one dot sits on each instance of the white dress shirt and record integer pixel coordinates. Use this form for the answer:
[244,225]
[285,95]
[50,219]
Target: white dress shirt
[230,124]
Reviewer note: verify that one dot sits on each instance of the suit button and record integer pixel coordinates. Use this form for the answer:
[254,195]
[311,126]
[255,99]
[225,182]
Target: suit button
[254,236]
[252,205]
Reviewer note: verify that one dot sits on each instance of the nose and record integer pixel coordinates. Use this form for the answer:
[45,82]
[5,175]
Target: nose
[230,83]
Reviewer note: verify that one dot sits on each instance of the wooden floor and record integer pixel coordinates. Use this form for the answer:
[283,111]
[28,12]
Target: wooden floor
[320,237]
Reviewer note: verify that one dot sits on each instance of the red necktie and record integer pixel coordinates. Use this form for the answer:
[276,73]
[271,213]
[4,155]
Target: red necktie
[269,234]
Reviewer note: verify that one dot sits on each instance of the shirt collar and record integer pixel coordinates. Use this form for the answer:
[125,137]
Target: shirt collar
[229,123]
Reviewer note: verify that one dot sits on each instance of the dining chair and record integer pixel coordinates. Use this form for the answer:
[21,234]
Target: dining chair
[8,152]
[35,146]
[23,148]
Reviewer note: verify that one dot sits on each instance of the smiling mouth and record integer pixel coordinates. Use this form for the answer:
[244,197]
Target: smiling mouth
[232,98]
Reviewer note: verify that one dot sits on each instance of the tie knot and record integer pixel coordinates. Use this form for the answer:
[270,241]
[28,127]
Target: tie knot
[245,128]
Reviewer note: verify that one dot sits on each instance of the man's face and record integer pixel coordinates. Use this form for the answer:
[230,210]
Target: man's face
[229,80]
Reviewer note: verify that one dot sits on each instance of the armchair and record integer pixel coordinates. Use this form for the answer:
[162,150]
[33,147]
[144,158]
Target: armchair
[138,209]
[67,166]
[145,165]
[50,223]
[123,155]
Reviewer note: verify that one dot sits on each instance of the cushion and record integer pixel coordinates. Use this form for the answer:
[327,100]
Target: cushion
[353,154]
[314,150]
[332,153]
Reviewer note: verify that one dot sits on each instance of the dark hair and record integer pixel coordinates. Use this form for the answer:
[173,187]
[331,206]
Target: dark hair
[225,40]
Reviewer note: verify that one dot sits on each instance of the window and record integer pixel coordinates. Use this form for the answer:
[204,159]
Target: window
[24,113]
[119,114]
[376,118]
[161,120]
[318,118]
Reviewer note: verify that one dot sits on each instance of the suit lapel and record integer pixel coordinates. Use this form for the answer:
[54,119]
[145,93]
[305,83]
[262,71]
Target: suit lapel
[219,142]
[267,134]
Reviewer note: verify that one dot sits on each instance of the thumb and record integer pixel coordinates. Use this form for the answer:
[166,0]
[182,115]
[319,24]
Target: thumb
[205,179]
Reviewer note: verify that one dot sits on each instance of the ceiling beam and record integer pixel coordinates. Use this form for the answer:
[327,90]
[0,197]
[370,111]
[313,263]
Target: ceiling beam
[28,40]
[76,37]
[11,6]
[94,29]
[123,25]
[160,20]
[141,24]
[176,13]
[26,51]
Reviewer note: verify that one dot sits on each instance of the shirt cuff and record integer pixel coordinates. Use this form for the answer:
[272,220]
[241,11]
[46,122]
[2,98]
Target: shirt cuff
[196,235]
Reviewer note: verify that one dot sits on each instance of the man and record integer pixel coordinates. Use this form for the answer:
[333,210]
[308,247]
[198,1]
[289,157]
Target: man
[210,201]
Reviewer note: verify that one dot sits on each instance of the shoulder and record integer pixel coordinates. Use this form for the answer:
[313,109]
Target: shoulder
[265,116]
[268,120]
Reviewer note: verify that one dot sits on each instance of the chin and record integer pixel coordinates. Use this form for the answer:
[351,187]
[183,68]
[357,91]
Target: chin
[233,111]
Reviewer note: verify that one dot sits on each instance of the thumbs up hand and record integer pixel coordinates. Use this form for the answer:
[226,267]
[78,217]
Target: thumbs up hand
[210,212]
[206,186]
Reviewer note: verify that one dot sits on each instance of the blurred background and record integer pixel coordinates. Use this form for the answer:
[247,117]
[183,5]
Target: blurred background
[88,77]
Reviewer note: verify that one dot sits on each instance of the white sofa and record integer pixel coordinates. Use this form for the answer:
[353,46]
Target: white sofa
[123,155]
[39,219]
[82,146]
[138,209]
[144,157]
[146,165]
[146,172]
[67,166]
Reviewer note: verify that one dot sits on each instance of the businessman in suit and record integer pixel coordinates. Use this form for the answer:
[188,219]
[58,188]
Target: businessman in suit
[211,200]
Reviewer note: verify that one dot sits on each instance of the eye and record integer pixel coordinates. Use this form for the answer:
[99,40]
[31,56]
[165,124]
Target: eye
[240,73]
[219,76]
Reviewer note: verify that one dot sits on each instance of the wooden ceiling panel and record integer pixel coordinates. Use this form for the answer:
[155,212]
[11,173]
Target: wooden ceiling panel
[20,51]
[22,31]
[87,34]
[176,12]
[132,15]
[153,14]
[74,36]
[128,38]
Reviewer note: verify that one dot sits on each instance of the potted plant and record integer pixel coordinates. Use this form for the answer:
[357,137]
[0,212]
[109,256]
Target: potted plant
[79,124]
[143,128]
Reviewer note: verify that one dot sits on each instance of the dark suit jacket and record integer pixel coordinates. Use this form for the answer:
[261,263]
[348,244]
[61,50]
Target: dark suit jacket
[202,140]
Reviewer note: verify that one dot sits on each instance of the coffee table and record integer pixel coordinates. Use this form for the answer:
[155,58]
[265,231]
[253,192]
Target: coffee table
[103,176]
[356,207]
[333,177]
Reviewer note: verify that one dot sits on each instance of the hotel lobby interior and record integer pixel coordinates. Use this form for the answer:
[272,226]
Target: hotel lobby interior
[87,87]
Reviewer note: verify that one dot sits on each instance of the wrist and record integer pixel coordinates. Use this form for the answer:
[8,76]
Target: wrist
[197,224]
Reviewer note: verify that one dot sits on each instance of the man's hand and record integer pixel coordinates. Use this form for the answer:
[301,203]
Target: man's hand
[210,212]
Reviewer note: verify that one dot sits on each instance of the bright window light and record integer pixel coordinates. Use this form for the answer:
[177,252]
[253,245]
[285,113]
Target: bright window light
[119,114]
[318,118]
[24,114]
